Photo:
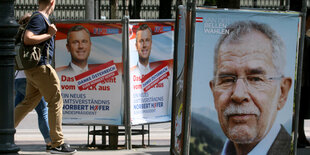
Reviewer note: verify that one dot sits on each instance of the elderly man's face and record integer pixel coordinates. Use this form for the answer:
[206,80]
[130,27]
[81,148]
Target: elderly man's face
[247,107]
[144,44]
[79,46]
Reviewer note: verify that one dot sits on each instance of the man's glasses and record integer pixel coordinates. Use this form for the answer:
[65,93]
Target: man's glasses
[253,82]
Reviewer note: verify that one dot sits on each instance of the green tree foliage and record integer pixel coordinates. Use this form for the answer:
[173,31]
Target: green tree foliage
[203,141]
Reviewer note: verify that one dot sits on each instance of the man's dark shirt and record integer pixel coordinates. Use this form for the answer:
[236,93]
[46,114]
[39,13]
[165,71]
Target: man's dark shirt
[38,26]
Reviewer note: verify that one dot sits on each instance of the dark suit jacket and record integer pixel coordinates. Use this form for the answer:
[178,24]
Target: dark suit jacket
[282,143]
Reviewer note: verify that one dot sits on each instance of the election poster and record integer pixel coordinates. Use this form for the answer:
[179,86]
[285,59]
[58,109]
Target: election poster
[243,81]
[179,104]
[89,66]
[151,69]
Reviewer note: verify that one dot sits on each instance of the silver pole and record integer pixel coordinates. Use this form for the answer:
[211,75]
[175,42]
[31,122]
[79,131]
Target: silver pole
[190,28]
[126,83]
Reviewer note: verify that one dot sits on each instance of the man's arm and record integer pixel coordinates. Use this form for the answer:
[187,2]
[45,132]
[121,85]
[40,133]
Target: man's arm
[32,39]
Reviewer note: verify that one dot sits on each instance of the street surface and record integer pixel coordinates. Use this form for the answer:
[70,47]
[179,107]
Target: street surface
[30,140]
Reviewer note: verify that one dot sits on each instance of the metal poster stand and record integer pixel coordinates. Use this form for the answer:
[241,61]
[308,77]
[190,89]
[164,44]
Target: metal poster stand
[124,92]
[189,53]
[175,68]
[184,79]
[186,82]
[126,84]
[299,79]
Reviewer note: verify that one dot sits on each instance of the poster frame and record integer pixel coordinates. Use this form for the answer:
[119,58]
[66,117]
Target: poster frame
[298,76]
[175,68]
[187,71]
[125,77]
[127,22]
[190,33]
[297,96]
[110,21]
[143,21]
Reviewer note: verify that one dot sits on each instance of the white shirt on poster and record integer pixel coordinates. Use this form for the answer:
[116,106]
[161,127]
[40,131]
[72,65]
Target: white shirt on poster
[72,70]
[77,70]
[262,147]
[144,69]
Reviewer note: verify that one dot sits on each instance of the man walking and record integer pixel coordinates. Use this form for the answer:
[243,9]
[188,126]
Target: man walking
[42,80]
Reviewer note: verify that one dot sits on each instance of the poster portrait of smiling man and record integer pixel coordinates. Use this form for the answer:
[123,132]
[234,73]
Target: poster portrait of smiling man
[249,82]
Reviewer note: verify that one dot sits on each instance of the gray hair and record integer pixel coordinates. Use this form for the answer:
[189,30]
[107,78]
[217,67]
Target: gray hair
[239,28]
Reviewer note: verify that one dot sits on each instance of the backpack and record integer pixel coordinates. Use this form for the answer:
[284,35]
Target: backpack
[27,56]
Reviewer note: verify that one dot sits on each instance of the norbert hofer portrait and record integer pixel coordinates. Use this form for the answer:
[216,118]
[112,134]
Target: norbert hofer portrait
[249,88]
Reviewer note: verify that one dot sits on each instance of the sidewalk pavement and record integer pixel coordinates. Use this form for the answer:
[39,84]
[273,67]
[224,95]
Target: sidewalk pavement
[152,150]
[30,141]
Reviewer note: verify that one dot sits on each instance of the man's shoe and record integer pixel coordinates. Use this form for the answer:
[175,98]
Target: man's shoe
[48,148]
[63,149]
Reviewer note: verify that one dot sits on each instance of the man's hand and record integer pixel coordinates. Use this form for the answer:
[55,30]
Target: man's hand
[52,30]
